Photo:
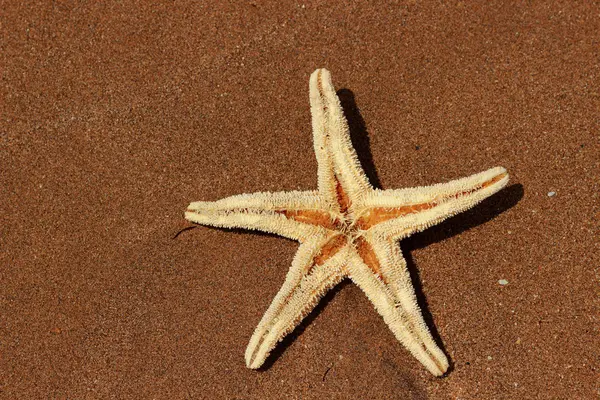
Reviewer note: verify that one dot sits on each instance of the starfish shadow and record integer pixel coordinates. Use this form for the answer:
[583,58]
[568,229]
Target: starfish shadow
[359,135]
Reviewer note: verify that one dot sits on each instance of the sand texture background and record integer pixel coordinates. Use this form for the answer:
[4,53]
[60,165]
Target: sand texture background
[115,116]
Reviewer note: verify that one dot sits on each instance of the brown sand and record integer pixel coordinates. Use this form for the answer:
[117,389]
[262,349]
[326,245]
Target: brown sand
[115,117]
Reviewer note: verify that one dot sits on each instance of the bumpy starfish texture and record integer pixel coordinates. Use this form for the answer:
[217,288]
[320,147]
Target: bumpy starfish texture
[347,229]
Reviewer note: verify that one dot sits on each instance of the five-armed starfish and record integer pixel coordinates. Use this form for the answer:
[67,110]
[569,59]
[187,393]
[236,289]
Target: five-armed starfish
[346,229]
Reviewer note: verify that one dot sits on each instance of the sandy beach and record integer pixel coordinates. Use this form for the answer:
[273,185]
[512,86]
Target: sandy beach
[114,117]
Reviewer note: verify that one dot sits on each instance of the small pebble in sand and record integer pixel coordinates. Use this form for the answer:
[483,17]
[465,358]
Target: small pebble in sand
[489,358]
[551,194]
[503,282]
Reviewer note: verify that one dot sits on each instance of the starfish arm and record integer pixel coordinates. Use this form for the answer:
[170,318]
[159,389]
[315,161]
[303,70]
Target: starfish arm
[295,215]
[314,271]
[380,271]
[402,212]
[340,172]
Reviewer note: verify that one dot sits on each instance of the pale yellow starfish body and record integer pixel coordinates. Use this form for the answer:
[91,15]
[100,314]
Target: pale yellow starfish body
[346,229]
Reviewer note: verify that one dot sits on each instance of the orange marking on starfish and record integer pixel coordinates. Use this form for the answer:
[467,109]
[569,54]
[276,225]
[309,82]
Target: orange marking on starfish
[366,252]
[495,179]
[381,214]
[330,249]
[485,184]
[342,198]
[312,217]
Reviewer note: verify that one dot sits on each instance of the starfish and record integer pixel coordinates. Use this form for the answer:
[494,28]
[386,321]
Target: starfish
[346,229]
